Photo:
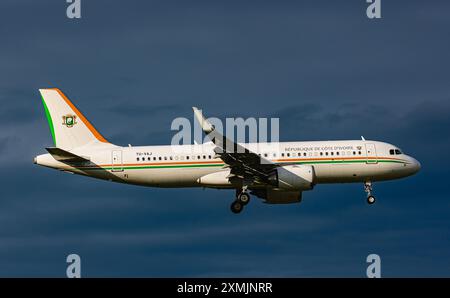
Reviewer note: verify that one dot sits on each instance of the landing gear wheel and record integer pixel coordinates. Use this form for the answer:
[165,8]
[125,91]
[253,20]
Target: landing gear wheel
[368,190]
[237,207]
[244,198]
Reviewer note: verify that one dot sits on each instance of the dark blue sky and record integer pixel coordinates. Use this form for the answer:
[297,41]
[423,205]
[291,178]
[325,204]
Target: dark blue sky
[322,66]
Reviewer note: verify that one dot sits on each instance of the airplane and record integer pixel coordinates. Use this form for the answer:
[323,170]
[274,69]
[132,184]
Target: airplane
[277,176]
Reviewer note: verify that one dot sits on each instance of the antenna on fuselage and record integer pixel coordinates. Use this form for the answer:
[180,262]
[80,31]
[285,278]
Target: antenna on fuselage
[362,138]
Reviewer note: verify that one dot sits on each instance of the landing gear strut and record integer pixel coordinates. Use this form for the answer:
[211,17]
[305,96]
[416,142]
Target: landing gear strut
[368,190]
[242,199]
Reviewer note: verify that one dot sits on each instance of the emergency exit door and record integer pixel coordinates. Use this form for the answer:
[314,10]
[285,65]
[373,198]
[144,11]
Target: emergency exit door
[117,164]
[371,153]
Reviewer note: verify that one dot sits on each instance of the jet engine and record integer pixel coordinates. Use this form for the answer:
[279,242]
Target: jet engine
[293,177]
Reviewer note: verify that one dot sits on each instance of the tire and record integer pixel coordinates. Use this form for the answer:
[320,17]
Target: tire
[370,200]
[237,207]
[244,198]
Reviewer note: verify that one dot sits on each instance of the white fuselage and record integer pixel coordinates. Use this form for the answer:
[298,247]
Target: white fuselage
[184,165]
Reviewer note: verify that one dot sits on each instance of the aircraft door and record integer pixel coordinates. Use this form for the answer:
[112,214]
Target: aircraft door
[116,161]
[371,153]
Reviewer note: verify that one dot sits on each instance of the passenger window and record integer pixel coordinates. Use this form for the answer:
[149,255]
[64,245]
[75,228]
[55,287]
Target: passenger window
[165,157]
[321,153]
[332,153]
[359,152]
[282,154]
[337,153]
[354,153]
[209,156]
[397,151]
[149,159]
[170,158]
[187,157]
[154,158]
[288,155]
[326,153]
[204,156]
[137,159]
[160,158]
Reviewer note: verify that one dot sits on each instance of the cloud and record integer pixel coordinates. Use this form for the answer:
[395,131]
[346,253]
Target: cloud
[144,110]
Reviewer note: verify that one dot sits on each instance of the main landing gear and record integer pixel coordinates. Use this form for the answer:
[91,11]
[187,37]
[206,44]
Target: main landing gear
[368,190]
[242,199]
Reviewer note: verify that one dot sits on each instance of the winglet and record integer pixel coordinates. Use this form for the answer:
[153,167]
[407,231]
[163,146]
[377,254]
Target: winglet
[205,124]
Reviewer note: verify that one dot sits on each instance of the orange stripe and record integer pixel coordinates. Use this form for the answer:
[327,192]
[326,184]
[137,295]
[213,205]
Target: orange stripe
[337,158]
[82,118]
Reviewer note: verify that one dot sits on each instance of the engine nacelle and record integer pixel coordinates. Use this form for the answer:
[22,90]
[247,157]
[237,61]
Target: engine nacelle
[293,177]
[216,179]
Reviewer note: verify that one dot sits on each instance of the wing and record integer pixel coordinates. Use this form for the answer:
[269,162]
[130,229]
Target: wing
[243,163]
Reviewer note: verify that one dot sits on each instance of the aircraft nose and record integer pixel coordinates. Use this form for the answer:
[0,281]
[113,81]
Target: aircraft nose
[416,166]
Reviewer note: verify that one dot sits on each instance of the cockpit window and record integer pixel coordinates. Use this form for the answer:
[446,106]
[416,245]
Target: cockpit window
[397,151]
[392,152]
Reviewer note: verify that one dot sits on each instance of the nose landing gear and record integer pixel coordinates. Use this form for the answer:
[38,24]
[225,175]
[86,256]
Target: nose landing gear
[368,190]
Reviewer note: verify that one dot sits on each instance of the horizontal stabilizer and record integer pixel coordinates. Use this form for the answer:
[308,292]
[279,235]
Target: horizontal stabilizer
[65,156]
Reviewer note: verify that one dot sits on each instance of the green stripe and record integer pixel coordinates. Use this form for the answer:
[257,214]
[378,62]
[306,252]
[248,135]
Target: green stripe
[347,161]
[153,167]
[49,119]
[220,165]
